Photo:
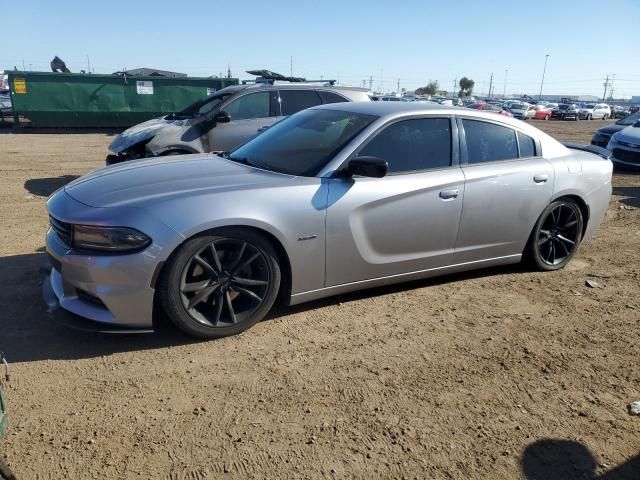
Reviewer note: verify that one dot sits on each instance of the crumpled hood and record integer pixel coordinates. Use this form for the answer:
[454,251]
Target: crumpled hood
[140,181]
[141,132]
[629,134]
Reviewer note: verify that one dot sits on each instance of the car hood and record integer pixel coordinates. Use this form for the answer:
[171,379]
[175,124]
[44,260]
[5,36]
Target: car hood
[610,129]
[143,131]
[140,181]
[629,134]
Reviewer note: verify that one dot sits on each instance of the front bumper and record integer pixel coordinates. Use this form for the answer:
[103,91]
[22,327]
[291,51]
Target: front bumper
[113,291]
[52,282]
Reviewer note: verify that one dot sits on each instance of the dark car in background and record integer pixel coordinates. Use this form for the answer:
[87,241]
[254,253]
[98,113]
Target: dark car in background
[566,111]
[603,135]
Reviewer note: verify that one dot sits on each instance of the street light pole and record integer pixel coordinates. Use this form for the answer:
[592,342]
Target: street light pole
[504,90]
[546,57]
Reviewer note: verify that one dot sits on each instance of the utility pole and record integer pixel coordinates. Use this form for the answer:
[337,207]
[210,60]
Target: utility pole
[88,65]
[546,57]
[613,77]
[455,83]
[504,89]
[606,84]
[490,84]
[371,83]
[398,90]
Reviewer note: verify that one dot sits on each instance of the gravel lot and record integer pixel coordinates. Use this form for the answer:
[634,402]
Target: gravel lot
[470,376]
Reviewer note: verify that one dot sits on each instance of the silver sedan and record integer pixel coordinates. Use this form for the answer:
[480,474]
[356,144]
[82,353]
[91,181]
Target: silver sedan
[332,199]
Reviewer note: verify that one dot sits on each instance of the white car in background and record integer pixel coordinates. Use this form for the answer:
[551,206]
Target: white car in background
[522,110]
[593,111]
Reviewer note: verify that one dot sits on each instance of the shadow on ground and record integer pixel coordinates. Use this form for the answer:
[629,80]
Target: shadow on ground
[631,195]
[43,187]
[552,459]
[28,332]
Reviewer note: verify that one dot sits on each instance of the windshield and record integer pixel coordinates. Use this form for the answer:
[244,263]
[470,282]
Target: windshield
[202,106]
[630,120]
[518,106]
[564,107]
[589,106]
[303,143]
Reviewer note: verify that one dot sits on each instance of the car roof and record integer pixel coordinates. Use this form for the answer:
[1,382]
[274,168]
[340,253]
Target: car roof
[381,109]
[303,86]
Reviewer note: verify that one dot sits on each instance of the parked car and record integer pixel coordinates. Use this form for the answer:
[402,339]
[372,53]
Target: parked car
[595,111]
[542,112]
[619,112]
[488,107]
[522,111]
[225,119]
[625,147]
[566,111]
[332,199]
[603,135]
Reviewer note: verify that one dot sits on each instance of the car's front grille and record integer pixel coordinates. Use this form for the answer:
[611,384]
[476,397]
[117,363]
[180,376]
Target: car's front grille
[630,145]
[62,229]
[626,155]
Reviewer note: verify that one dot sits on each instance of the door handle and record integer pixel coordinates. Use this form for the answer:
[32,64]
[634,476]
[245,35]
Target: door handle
[540,178]
[449,194]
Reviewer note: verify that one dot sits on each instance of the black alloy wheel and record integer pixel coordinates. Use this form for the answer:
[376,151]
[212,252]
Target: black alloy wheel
[221,285]
[557,235]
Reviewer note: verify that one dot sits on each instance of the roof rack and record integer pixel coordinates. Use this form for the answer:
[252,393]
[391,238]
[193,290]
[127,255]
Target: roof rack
[267,76]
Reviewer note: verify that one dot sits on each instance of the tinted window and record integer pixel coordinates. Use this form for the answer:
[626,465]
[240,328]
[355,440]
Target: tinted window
[413,145]
[254,105]
[303,143]
[292,101]
[488,142]
[330,97]
[527,145]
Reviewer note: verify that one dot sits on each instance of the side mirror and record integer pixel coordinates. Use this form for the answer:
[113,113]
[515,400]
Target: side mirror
[222,117]
[367,167]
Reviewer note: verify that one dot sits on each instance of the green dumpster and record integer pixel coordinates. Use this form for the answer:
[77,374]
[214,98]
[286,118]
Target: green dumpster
[48,99]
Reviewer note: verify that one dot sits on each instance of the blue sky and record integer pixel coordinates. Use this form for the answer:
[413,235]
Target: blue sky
[414,41]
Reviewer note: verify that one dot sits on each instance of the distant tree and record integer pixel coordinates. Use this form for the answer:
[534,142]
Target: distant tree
[466,87]
[430,89]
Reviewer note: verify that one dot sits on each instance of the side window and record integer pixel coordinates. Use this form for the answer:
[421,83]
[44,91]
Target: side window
[488,142]
[330,97]
[292,101]
[254,105]
[411,145]
[527,145]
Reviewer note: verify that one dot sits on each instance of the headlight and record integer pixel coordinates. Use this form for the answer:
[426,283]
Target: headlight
[111,239]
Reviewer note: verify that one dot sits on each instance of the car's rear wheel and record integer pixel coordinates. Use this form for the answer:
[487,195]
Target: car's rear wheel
[556,236]
[546,117]
[221,283]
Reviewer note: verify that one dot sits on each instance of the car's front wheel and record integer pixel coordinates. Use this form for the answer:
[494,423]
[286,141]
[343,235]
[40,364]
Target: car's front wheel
[556,235]
[221,283]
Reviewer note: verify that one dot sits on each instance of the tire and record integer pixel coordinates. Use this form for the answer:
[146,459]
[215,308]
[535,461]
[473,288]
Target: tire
[589,117]
[577,118]
[233,265]
[556,236]
[5,473]
[546,117]
[606,117]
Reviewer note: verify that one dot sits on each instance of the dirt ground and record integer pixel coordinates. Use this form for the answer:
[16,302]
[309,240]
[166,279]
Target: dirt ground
[502,373]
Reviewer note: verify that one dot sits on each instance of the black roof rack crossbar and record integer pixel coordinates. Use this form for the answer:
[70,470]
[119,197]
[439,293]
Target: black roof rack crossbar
[267,76]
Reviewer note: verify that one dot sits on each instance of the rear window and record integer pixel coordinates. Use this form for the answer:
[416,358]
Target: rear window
[488,142]
[527,145]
